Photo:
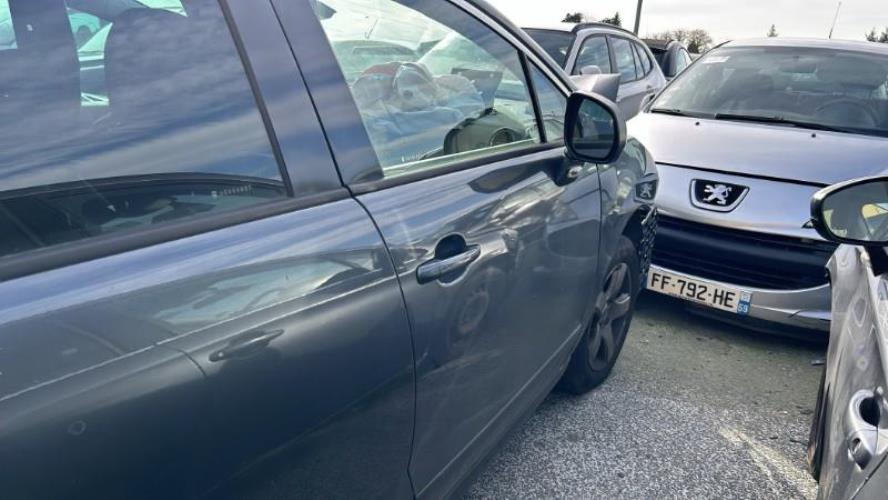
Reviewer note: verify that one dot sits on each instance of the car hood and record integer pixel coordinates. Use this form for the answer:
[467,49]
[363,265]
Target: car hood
[754,149]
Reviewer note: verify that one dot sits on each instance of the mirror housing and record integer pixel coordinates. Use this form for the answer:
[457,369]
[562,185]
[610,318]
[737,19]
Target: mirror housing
[853,212]
[603,85]
[594,130]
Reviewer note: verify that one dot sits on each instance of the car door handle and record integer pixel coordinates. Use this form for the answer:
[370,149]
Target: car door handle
[438,268]
[245,345]
[862,427]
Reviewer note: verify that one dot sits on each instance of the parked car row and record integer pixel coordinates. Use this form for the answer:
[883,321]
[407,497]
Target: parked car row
[744,140]
[247,245]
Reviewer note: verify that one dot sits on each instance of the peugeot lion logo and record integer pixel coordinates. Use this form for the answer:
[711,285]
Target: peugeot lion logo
[718,193]
[717,196]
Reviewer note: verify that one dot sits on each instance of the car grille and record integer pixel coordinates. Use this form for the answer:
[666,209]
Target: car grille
[742,258]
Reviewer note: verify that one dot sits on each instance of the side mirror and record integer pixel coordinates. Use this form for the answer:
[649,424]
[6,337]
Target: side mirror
[590,69]
[594,130]
[854,212]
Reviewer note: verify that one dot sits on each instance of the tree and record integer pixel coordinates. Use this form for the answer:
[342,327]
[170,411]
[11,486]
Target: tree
[772,33]
[697,40]
[872,36]
[616,20]
[883,36]
[573,17]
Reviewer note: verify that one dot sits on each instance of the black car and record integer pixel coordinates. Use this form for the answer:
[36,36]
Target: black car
[295,249]
[671,55]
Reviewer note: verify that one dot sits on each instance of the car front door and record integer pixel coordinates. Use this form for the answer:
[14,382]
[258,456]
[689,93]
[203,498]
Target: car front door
[857,409]
[190,301]
[496,259]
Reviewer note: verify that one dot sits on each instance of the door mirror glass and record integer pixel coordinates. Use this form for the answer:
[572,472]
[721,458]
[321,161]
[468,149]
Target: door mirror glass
[594,130]
[591,69]
[855,212]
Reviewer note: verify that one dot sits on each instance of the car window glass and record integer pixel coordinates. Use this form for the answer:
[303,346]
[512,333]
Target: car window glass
[682,61]
[646,64]
[639,69]
[159,125]
[556,43]
[465,97]
[593,53]
[553,105]
[7,30]
[839,89]
[625,59]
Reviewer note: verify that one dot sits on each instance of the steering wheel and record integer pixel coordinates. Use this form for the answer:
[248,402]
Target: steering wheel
[850,110]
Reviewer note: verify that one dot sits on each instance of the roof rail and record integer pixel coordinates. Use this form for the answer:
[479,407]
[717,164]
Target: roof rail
[596,24]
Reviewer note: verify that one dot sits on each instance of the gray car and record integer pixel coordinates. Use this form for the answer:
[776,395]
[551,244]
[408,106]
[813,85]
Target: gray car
[848,448]
[598,48]
[284,257]
[743,138]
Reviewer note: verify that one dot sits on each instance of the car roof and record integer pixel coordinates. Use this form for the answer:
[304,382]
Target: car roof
[813,43]
[580,27]
[658,43]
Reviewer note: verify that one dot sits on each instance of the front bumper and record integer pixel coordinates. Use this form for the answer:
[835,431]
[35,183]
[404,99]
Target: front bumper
[807,308]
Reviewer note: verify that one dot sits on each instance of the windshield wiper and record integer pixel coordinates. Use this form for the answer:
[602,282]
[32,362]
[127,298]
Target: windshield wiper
[779,120]
[672,111]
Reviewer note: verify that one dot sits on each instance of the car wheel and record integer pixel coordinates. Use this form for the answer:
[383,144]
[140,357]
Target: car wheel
[594,358]
[818,431]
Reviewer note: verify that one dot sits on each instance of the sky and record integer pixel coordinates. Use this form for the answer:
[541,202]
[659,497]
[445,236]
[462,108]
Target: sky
[724,19]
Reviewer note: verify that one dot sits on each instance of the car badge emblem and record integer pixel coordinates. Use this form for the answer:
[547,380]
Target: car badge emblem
[717,196]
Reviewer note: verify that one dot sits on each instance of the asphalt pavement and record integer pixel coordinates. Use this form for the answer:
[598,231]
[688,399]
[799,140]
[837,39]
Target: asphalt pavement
[693,409]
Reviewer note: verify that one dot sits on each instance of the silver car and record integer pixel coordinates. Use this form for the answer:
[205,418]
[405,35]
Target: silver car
[848,448]
[743,138]
[598,48]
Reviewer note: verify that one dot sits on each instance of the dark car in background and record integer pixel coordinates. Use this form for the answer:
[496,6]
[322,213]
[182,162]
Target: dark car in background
[848,448]
[298,249]
[671,55]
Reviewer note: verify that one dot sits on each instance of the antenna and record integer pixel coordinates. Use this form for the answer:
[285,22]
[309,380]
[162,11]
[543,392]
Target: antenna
[835,20]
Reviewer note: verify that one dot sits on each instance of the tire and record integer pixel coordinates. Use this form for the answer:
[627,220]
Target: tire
[818,432]
[595,356]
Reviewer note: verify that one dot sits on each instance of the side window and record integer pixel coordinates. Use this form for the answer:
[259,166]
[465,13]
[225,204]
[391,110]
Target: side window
[553,105]
[593,53]
[682,61]
[646,64]
[625,58]
[433,85]
[158,124]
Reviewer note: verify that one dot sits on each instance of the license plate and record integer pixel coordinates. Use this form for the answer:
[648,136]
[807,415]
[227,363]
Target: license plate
[719,297]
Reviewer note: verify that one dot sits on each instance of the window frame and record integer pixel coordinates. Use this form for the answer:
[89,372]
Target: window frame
[336,105]
[643,54]
[289,139]
[631,51]
[607,46]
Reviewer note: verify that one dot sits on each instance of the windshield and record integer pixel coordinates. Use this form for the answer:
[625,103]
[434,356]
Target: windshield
[555,43]
[829,89]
